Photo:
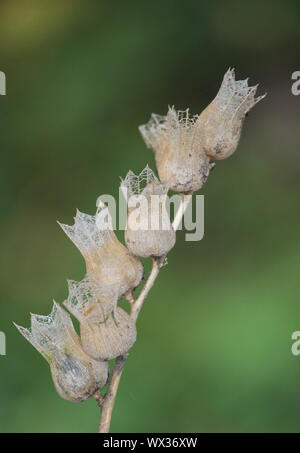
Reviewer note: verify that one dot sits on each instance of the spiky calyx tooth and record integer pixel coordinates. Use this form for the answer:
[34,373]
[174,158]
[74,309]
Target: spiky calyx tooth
[107,260]
[220,124]
[149,231]
[109,339]
[180,160]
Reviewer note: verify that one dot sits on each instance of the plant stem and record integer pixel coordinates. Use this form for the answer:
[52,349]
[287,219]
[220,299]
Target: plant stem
[156,266]
[107,404]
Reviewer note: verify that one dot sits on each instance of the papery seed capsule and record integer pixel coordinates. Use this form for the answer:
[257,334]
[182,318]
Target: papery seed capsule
[84,302]
[105,340]
[106,330]
[149,231]
[220,124]
[108,262]
[180,160]
[76,376]
[72,378]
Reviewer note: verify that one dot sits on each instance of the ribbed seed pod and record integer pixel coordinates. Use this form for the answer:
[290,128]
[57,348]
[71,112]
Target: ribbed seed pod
[105,340]
[72,378]
[220,124]
[106,330]
[155,236]
[108,262]
[180,160]
[75,375]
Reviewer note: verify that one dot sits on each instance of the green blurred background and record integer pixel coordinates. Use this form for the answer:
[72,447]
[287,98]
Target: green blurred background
[213,352]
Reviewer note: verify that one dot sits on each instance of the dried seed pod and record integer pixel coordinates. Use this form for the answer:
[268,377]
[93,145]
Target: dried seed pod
[108,262]
[105,340]
[180,160]
[106,330]
[85,303]
[220,124]
[149,231]
[75,375]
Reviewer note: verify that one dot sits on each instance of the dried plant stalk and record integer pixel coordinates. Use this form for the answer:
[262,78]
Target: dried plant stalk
[184,147]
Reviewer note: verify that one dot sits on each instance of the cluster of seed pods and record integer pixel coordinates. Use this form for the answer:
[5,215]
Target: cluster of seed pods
[185,147]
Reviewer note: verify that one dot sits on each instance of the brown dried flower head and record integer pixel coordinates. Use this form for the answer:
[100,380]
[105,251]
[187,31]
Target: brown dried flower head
[153,234]
[180,160]
[106,330]
[220,124]
[75,375]
[108,262]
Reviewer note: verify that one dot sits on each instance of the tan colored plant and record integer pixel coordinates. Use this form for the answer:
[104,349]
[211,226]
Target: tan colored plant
[184,147]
